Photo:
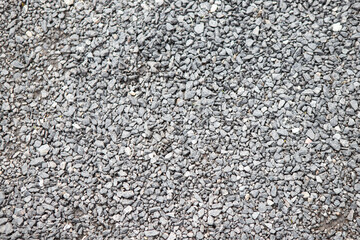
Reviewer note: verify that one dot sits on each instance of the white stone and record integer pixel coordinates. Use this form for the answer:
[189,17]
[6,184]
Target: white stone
[295,130]
[256,31]
[213,8]
[159,2]
[44,149]
[128,151]
[116,217]
[172,236]
[336,27]
[128,209]
[306,194]
[69,2]
[29,34]
[199,28]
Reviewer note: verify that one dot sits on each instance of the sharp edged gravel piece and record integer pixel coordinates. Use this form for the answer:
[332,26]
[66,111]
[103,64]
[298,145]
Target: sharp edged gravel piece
[179,119]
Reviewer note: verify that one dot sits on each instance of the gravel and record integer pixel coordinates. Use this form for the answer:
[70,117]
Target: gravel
[179,119]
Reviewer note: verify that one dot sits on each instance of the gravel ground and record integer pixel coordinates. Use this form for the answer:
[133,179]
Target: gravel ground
[179,119]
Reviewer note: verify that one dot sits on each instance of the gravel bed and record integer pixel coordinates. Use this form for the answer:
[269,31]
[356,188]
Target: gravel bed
[160,119]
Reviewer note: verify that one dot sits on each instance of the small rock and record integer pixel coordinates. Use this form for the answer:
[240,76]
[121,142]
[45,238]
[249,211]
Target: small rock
[337,190]
[213,23]
[37,161]
[6,106]
[256,31]
[262,207]
[310,134]
[213,8]
[356,6]
[249,42]
[189,94]
[44,149]
[336,27]
[214,213]
[257,113]
[357,187]
[17,64]
[306,194]
[69,2]
[295,130]
[128,194]
[354,104]
[99,144]
[151,233]
[159,2]
[172,236]
[128,151]
[335,144]
[210,220]
[117,217]
[273,191]
[350,216]
[199,28]
[199,235]
[70,111]
[2,197]
[206,92]
[282,132]
[128,209]
[3,220]
[6,229]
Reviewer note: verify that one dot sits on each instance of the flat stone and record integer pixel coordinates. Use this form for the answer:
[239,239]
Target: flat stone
[6,106]
[3,220]
[17,64]
[36,161]
[172,236]
[350,216]
[256,31]
[354,104]
[189,94]
[206,92]
[335,144]
[151,233]
[214,212]
[282,132]
[262,207]
[6,229]
[127,194]
[99,144]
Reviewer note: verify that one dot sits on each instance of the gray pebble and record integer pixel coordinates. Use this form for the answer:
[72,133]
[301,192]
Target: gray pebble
[6,229]
[199,28]
[2,197]
[151,233]
[282,132]
[17,64]
[335,144]
[44,149]
[36,161]
[354,104]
